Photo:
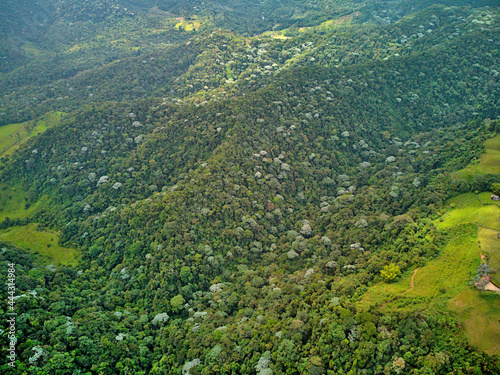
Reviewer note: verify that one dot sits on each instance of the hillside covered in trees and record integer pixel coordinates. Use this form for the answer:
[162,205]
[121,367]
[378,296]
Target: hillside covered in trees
[222,187]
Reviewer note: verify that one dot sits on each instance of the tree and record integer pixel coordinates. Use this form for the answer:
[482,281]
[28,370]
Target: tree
[185,274]
[495,188]
[177,302]
[390,272]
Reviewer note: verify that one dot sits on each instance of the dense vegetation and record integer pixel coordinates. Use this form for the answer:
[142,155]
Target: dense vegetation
[232,198]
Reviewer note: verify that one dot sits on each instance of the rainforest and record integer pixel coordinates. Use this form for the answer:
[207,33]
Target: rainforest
[249,187]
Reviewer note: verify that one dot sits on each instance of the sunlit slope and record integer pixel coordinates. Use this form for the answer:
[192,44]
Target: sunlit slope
[489,162]
[443,283]
[39,241]
[471,225]
[14,135]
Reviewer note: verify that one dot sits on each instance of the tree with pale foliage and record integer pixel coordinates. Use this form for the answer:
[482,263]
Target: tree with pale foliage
[390,272]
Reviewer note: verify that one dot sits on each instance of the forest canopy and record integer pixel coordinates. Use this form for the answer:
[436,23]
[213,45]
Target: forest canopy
[227,187]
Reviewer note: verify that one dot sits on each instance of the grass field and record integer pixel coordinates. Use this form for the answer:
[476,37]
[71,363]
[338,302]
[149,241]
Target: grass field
[442,284]
[31,48]
[12,203]
[188,25]
[29,237]
[44,242]
[14,135]
[489,162]
[324,26]
[280,34]
[477,310]
[472,224]
[490,245]
[331,24]
[479,314]
[467,208]
[435,283]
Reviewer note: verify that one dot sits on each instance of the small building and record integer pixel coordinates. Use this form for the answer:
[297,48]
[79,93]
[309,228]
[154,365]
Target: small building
[495,197]
[483,281]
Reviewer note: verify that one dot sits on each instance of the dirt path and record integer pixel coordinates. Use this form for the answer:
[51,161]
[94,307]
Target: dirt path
[412,277]
[411,284]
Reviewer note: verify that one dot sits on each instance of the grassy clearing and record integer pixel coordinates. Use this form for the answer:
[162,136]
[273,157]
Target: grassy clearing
[485,198]
[442,284]
[449,274]
[280,34]
[188,25]
[34,50]
[14,135]
[44,242]
[324,26]
[382,294]
[12,203]
[467,208]
[436,282]
[29,237]
[331,24]
[489,162]
[490,246]
[479,314]
[477,310]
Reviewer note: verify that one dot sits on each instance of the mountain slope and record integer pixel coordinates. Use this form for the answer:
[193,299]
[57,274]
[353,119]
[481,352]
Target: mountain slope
[236,225]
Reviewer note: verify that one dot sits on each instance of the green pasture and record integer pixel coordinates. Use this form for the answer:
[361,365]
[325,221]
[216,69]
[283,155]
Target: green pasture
[14,135]
[469,208]
[488,163]
[479,314]
[481,211]
[435,283]
[13,203]
[188,25]
[442,285]
[43,242]
[324,26]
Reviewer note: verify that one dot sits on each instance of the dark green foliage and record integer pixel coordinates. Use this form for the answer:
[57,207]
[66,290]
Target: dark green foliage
[233,199]
[495,188]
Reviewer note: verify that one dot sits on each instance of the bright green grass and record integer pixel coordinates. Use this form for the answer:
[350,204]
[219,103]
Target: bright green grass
[479,314]
[14,135]
[449,274]
[28,237]
[478,311]
[435,283]
[188,25]
[490,246]
[442,284]
[485,198]
[12,203]
[467,208]
[489,162]
[324,26]
[280,34]
[44,242]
